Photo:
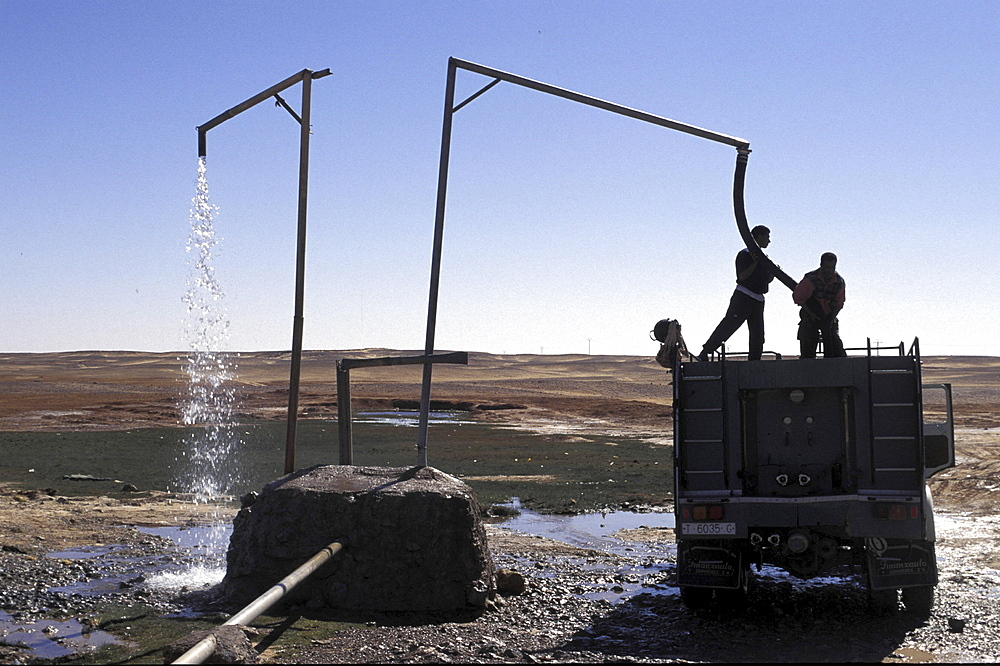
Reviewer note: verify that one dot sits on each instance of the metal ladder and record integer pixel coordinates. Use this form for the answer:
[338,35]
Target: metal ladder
[702,427]
[895,421]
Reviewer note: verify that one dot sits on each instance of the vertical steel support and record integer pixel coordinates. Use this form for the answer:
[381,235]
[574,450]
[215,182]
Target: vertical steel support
[345,433]
[300,274]
[305,76]
[432,301]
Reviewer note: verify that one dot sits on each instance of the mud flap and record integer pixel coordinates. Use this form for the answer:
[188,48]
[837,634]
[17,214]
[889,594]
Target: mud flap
[709,566]
[894,565]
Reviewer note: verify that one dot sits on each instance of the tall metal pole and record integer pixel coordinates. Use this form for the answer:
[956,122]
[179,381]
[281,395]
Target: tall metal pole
[300,275]
[306,76]
[432,301]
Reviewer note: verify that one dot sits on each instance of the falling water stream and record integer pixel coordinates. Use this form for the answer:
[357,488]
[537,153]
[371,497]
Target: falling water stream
[208,465]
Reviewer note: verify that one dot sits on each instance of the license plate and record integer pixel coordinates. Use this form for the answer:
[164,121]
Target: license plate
[708,529]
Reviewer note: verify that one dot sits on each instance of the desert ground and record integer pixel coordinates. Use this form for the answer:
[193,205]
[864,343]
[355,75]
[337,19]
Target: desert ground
[579,394]
[571,395]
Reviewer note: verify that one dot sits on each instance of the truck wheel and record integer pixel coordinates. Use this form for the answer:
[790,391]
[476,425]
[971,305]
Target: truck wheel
[919,600]
[733,600]
[696,598]
[884,602]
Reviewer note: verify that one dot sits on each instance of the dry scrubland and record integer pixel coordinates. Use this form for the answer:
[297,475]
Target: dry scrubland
[117,390]
[562,395]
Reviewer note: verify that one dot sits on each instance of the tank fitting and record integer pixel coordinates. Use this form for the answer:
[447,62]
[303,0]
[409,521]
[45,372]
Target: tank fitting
[798,543]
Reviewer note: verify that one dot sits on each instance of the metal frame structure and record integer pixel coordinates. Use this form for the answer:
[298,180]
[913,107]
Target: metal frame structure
[742,147]
[306,76]
[345,426]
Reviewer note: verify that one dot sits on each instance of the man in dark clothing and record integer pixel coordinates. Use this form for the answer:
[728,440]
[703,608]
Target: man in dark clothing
[747,302]
[821,295]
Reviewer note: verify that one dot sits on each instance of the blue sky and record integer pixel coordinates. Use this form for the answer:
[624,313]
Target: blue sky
[568,229]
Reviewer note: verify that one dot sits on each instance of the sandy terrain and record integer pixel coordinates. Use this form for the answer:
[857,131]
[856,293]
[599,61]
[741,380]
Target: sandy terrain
[115,390]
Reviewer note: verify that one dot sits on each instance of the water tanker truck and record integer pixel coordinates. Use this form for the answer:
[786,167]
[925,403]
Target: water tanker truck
[804,464]
[810,465]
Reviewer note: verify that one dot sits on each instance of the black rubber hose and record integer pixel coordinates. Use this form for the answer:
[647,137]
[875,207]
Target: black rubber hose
[741,219]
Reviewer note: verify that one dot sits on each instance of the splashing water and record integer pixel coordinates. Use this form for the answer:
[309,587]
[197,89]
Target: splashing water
[208,467]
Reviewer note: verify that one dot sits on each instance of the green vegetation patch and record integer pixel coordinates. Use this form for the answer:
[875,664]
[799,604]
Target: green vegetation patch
[548,473]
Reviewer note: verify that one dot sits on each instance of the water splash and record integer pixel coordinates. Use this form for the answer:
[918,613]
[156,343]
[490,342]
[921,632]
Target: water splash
[210,465]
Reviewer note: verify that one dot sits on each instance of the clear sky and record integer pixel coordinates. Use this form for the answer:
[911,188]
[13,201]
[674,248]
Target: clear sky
[569,229]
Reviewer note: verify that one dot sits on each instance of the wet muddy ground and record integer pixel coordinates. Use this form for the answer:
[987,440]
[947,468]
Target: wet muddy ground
[595,593]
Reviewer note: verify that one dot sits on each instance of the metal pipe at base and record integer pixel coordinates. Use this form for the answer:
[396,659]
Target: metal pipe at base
[204,648]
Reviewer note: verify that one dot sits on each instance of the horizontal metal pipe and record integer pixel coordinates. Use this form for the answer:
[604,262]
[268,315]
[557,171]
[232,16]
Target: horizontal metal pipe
[253,101]
[602,104]
[203,649]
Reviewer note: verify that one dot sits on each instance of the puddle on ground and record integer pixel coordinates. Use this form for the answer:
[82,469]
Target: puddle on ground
[410,419]
[207,545]
[83,553]
[641,567]
[591,530]
[52,639]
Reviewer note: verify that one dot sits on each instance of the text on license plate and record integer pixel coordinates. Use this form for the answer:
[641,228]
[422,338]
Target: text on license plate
[708,529]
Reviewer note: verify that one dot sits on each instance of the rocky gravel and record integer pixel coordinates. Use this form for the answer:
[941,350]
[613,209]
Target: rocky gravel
[579,605]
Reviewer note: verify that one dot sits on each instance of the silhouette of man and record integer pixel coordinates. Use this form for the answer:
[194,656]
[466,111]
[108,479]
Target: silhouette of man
[821,295]
[747,302]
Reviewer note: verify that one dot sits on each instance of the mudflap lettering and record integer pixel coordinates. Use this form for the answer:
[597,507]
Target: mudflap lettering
[709,566]
[902,565]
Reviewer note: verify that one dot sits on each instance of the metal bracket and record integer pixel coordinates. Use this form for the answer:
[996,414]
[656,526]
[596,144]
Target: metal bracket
[281,102]
[485,88]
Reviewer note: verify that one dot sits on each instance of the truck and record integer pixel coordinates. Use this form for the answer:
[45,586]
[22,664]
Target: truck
[805,464]
[814,466]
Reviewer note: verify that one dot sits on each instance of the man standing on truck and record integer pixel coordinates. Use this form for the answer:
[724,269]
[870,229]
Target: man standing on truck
[820,294]
[747,303]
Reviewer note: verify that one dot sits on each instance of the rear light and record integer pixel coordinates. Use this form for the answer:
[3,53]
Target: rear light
[703,512]
[890,511]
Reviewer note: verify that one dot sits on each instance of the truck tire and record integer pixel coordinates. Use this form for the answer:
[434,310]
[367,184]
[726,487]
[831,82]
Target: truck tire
[919,600]
[884,602]
[696,598]
[732,600]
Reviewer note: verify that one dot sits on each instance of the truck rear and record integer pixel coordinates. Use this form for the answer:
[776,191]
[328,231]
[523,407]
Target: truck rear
[810,465]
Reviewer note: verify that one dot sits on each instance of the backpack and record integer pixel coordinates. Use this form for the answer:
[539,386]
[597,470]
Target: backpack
[668,333]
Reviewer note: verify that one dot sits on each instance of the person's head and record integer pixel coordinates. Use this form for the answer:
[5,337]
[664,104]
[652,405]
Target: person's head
[828,264]
[762,235]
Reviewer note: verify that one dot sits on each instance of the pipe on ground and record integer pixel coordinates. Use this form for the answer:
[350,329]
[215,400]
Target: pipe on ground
[204,648]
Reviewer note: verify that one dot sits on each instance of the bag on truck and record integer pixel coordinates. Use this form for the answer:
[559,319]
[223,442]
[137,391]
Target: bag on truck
[668,333]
